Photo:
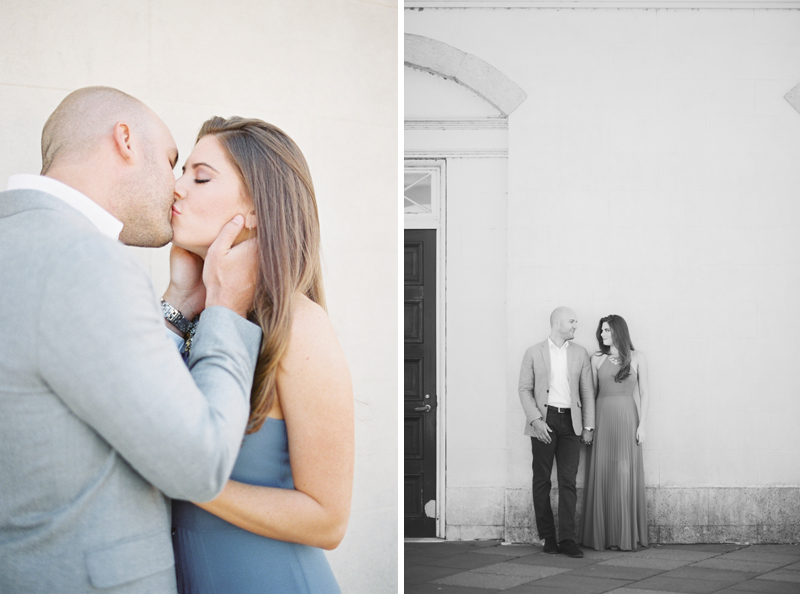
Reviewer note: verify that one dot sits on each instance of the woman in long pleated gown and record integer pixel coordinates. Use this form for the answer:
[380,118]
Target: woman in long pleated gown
[614,511]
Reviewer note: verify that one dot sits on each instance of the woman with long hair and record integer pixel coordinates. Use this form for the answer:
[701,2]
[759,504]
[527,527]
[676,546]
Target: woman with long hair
[614,511]
[290,491]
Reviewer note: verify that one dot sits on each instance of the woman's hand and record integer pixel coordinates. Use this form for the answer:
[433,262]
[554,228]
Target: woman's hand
[186,291]
[640,435]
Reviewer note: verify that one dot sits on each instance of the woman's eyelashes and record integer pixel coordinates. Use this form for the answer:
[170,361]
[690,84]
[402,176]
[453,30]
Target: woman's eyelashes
[201,181]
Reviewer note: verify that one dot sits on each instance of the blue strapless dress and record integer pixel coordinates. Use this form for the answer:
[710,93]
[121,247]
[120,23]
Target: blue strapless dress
[215,557]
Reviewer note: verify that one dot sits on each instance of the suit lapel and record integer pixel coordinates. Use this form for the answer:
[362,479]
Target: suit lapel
[546,357]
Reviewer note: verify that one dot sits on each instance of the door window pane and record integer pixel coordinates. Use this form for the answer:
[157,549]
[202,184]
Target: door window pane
[417,193]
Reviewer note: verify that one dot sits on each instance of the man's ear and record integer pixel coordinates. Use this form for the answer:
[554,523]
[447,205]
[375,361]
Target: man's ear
[121,136]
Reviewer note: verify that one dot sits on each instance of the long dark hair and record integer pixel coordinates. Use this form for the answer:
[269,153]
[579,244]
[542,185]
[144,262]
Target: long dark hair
[276,177]
[621,339]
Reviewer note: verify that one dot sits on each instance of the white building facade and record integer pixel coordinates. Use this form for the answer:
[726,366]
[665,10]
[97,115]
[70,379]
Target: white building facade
[638,158]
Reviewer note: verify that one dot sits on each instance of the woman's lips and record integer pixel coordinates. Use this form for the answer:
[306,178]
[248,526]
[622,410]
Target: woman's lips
[175,211]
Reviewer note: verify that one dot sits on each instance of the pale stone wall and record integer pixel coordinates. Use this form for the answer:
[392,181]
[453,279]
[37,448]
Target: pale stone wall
[652,172]
[325,72]
[476,354]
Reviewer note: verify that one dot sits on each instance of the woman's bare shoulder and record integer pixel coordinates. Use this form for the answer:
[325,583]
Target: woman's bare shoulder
[312,335]
[307,313]
[313,373]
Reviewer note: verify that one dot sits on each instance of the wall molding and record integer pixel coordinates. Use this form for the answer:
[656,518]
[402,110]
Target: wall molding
[468,70]
[457,124]
[444,154]
[686,4]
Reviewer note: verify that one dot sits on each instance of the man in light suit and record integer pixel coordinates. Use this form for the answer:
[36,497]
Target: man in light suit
[557,393]
[100,419]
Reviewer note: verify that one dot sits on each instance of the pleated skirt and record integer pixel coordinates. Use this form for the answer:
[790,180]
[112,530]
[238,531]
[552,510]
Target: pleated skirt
[614,511]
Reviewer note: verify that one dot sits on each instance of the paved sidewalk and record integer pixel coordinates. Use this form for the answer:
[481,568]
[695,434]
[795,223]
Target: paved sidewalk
[481,567]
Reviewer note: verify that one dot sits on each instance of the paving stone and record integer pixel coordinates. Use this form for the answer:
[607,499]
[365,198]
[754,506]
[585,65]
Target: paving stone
[723,591]
[554,561]
[646,562]
[617,572]
[533,572]
[489,581]
[482,544]
[419,574]
[510,550]
[606,554]
[629,590]
[720,548]
[537,588]
[688,586]
[765,587]
[782,576]
[755,553]
[780,549]
[738,565]
[436,549]
[580,584]
[462,561]
[443,589]
[709,574]
[682,554]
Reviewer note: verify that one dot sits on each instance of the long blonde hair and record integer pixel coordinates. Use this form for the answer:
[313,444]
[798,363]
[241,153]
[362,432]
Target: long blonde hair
[275,176]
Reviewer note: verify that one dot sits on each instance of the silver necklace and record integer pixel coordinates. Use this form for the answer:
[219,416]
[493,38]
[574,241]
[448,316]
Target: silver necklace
[614,360]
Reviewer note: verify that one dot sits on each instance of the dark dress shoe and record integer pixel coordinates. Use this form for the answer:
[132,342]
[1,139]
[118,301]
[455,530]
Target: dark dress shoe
[569,548]
[550,545]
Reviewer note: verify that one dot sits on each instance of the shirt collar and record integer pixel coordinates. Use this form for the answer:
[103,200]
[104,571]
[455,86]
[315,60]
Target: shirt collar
[105,222]
[553,345]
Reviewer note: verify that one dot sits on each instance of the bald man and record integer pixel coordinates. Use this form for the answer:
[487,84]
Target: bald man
[100,418]
[557,393]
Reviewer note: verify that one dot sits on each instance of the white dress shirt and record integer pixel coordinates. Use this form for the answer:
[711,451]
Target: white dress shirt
[559,378]
[106,223]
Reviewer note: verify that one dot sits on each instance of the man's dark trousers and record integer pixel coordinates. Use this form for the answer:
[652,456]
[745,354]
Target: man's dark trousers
[565,448]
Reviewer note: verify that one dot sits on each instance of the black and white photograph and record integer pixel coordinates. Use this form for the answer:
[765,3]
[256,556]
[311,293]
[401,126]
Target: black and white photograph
[601,222]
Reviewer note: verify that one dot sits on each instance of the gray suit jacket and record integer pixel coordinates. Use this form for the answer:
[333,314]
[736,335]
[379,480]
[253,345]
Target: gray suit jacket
[99,416]
[534,385]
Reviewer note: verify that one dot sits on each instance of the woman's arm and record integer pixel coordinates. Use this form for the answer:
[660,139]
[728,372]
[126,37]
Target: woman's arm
[644,394]
[316,400]
[186,291]
[596,362]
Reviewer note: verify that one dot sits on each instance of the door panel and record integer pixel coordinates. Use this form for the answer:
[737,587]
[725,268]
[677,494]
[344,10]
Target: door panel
[419,386]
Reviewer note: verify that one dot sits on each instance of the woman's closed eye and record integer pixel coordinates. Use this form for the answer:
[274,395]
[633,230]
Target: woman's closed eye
[201,181]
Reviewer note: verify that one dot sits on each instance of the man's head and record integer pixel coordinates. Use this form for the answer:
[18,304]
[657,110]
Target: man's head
[118,152]
[563,323]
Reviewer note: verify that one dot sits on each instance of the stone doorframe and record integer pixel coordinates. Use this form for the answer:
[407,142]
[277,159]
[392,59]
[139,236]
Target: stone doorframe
[497,89]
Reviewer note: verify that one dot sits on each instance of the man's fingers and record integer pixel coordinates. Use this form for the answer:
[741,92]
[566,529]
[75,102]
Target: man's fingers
[250,245]
[228,234]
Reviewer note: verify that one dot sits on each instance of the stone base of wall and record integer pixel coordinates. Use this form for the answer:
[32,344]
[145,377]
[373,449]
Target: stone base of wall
[675,515]
[475,513]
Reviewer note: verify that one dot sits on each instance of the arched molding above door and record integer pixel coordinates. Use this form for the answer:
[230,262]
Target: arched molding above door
[466,69]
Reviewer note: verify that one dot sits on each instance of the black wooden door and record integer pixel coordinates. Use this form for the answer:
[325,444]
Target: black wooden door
[419,384]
